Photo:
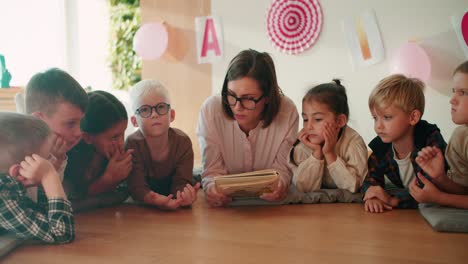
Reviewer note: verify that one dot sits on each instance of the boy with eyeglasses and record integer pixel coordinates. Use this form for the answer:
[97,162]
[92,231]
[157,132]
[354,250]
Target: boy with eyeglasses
[163,156]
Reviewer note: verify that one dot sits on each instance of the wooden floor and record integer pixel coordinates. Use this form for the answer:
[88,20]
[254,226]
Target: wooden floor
[320,233]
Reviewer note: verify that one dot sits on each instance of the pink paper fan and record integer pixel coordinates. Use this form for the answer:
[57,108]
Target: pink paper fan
[293,26]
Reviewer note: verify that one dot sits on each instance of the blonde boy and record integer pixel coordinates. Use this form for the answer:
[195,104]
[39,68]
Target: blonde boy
[26,143]
[163,156]
[397,105]
[451,188]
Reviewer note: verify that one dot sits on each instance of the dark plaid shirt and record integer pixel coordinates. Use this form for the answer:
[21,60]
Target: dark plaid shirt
[53,223]
[381,162]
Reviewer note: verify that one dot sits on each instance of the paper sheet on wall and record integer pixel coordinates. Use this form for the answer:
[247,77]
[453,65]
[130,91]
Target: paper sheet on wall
[363,38]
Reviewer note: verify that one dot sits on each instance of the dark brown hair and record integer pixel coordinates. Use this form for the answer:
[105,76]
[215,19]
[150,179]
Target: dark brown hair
[332,94]
[259,66]
[47,89]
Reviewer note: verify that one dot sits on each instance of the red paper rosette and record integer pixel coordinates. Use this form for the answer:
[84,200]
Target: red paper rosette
[293,26]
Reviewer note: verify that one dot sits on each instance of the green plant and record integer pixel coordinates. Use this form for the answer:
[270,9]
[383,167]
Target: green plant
[124,22]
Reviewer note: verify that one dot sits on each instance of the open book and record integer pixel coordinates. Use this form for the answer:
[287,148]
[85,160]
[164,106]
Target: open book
[249,184]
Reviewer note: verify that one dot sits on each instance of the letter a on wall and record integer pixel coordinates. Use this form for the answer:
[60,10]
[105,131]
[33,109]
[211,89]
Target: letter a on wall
[209,39]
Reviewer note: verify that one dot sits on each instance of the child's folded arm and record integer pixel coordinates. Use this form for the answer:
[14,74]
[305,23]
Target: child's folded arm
[350,174]
[184,169]
[375,175]
[307,174]
[137,185]
[56,227]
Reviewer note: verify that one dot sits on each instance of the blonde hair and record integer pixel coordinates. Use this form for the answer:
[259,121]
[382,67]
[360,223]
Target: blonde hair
[20,136]
[399,91]
[145,87]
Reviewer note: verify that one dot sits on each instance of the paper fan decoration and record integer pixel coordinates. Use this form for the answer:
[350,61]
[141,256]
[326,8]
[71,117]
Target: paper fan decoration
[293,26]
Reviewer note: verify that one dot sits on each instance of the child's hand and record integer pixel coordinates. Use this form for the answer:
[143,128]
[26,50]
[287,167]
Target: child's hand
[214,197]
[427,194]
[33,169]
[375,205]
[120,165]
[59,150]
[277,195]
[330,134]
[162,201]
[303,136]
[431,160]
[189,195]
[379,193]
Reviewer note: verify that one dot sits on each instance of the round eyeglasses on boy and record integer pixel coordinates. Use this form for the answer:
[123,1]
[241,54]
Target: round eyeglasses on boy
[247,103]
[145,111]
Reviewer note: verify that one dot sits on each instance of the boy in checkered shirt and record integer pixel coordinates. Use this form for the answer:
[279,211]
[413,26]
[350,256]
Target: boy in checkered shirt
[25,160]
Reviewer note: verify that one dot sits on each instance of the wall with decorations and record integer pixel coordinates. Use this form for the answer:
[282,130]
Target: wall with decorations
[190,44]
[426,23]
[188,82]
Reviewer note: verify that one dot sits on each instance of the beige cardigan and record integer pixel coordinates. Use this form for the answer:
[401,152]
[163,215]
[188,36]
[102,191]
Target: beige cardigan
[347,172]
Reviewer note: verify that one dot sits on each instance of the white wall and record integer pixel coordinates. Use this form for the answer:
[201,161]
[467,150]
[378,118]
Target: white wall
[427,21]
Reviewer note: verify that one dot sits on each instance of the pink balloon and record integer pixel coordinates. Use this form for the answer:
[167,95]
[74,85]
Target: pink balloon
[412,61]
[150,41]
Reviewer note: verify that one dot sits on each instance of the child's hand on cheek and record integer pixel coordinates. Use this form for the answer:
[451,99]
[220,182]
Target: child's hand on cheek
[330,134]
[119,166]
[59,147]
[33,169]
[59,150]
[303,136]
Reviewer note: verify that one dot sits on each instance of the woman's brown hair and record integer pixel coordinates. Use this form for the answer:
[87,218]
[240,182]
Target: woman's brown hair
[259,66]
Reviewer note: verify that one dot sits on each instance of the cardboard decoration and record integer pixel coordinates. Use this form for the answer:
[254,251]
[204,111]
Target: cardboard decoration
[363,38]
[293,26]
[209,39]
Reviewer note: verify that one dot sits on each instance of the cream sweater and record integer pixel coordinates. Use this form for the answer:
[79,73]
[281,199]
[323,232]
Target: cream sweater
[347,172]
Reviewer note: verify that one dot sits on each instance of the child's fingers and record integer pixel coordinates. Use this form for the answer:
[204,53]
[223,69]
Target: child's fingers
[197,186]
[424,180]
[185,196]
[24,173]
[190,191]
[25,165]
[114,152]
[377,208]
[36,157]
[387,207]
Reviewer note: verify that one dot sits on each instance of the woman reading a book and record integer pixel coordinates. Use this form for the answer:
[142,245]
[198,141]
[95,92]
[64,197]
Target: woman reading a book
[251,126]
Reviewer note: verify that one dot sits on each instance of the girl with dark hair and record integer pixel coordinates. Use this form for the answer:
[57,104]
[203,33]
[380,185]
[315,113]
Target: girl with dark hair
[98,164]
[328,153]
[251,126]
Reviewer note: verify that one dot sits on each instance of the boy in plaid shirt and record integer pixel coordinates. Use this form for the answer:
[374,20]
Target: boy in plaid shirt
[396,104]
[25,160]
